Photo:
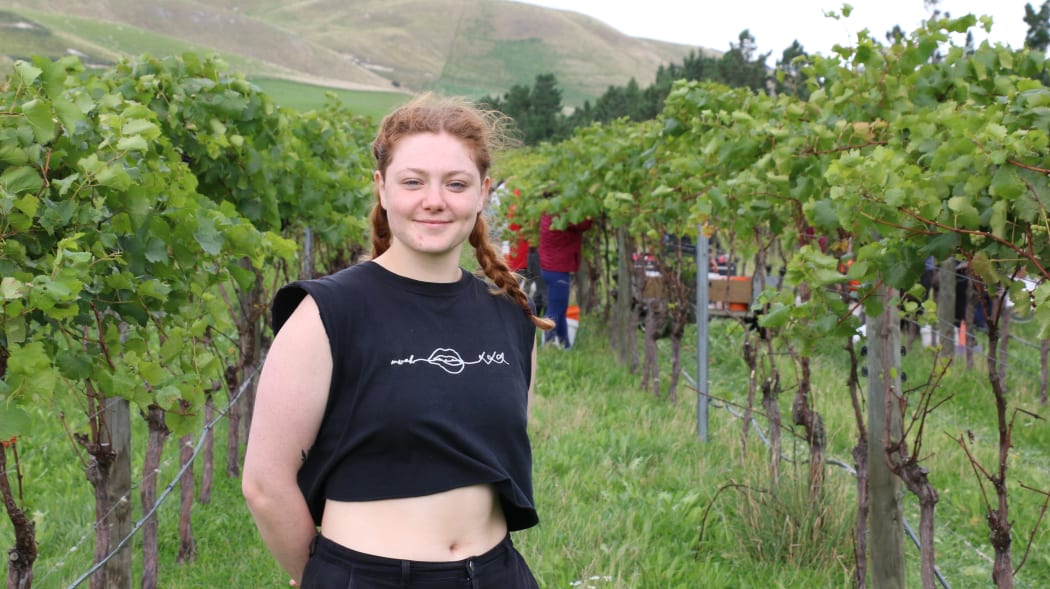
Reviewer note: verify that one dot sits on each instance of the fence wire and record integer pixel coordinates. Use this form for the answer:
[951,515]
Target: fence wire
[202,437]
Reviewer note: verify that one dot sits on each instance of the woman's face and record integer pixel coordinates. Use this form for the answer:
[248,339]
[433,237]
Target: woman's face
[432,193]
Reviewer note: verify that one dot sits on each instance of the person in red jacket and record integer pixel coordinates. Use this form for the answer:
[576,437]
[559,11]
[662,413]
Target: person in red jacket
[559,259]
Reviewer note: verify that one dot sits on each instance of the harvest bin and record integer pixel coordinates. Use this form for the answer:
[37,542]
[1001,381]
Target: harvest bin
[734,291]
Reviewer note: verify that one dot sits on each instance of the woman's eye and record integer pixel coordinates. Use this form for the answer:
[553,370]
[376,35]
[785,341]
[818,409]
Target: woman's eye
[457,185]
[411,182]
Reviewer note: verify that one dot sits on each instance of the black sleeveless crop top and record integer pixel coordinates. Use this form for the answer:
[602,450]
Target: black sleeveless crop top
[429,390]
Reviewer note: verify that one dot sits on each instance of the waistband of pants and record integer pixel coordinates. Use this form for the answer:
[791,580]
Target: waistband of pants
[332,550]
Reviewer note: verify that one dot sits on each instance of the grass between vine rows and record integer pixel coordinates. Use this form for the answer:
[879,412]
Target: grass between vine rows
[628,497]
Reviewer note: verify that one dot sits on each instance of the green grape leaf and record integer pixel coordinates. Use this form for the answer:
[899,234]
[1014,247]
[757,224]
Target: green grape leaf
[940,246]
[27,73]
[1006,183]
[208,237]
[30,373]
[114,176]
[75,364]
[152,372]
[22,179]
[12,288]
[998,219]
[966,215]
[14,421]
[38,113]
[13,155]
[777,316]
[132,143]
[68,113]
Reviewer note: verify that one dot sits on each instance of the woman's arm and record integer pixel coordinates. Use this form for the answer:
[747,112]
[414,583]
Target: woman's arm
[289,405]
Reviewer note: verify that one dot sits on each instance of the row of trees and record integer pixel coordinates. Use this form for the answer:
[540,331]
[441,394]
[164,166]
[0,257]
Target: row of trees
[538,110]
[893,154]
[149,211]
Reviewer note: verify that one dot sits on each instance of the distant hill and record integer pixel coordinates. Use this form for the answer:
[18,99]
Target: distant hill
[469,47]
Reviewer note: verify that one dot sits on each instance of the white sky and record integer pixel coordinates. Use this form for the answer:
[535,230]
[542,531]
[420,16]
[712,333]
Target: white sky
[776,23]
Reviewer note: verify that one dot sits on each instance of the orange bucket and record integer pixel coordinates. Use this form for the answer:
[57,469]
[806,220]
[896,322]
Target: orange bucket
[572,318]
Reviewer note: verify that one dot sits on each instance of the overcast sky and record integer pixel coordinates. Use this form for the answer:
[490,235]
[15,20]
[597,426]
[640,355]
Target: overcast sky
[776,23]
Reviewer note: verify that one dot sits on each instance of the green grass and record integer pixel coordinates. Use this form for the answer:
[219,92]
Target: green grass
[305,97]
[23,37]
[627,495]
[625,484]
[629,482]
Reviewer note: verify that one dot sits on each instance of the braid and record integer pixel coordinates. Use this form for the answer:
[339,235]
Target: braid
[380,230]
[496,269]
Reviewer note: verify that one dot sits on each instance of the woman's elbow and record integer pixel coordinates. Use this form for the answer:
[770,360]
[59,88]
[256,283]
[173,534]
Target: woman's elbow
[253,492]
[257,492]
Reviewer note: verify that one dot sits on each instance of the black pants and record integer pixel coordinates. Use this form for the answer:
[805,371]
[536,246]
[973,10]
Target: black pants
[333,566]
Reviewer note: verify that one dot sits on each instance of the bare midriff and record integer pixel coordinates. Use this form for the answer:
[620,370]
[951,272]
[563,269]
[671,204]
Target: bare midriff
[447,526]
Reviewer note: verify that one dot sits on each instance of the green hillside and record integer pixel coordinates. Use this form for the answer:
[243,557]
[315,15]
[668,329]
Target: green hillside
[470,47]
[301,96]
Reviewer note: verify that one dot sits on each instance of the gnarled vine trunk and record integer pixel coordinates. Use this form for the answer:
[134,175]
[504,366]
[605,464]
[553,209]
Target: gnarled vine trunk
[108,446]
[117,435]
[208,451]
[804,415]
[158,433]
[654,317]
[187,546]
[770,387]
[22,555]
[860,463]
[622,333]
[751,361]
[251,307]
[999,524]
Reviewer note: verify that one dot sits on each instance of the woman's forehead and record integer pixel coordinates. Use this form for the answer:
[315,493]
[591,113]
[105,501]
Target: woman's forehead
[433,151]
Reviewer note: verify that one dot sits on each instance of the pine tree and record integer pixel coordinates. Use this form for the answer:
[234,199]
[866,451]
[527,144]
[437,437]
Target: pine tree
[789,72]
[741,67]
[1038,36]
[545,110]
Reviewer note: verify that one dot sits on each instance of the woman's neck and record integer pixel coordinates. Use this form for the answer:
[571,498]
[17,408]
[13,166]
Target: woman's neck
[422,267]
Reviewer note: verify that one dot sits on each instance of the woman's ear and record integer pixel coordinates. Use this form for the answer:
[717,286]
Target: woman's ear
[377,179]
[486,193]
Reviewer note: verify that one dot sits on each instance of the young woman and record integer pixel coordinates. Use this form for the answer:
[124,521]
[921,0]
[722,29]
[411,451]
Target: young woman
[388,447]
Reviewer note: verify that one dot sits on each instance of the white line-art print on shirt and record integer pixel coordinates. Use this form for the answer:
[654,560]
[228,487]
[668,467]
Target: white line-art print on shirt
[451,362]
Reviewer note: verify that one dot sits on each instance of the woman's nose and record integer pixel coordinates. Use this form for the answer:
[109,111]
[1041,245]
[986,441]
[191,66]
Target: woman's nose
[433,197]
